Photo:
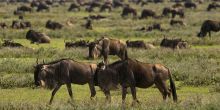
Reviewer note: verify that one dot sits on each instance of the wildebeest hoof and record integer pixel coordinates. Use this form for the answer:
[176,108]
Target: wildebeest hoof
[135,102]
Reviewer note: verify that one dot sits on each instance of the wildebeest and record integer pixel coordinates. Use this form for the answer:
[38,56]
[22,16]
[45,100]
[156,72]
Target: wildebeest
[53,25]
[93,5]
[155,26]
[10,43]
[117,3]
[208,26]
[42,6]
[105,6]
[3,25]
[35,3]
[139,44]
[190,5]
[213,6]
[173,11]
[65,71]
[174,22]
[80,43]
[174,43]
[24,8]
[74,6]
[129,10]
[178,11]
[106,46]
[88,24]
[95,17]
[166,11]
[132,73]
[177,5]
[37,37]
[147,13]
[20,24]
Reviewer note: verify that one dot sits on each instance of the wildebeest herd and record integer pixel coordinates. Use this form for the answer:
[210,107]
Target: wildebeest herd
[126,72]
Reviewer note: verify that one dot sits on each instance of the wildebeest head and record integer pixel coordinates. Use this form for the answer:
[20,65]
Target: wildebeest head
[43,76]
[101,66]
[94,50]
[201,34]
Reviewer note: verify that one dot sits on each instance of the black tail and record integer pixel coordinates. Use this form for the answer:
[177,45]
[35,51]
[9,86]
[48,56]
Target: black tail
[173,87]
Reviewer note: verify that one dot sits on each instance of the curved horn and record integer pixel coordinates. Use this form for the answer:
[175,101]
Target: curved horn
[43,61]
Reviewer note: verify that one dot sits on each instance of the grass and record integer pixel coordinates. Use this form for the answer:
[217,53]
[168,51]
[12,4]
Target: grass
[189,97]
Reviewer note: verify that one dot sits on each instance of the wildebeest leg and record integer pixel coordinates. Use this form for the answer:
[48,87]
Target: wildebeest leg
[133,92]
[92,89]
[54,92]
[70,90]
[162,86]
[209,33]
[124,92]
[108,96]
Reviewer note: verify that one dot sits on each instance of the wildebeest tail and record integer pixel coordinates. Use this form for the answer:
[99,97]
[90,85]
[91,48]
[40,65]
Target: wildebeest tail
[173,87]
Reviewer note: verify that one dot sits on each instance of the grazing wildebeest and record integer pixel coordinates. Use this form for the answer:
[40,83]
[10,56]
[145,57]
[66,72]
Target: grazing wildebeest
[139,44]
[106,46]
[177,5]
[93,5]
[132,73]
[53,25]
[49,2]
[24,8]
[35,3]
[42,6]
[173,43]
[129,10]
[174,22]
[190,5]
[178,11]
[117,4]
[95,17]
[65,71]
[208,26]
[10,43]
[166,11]
[20,24]
[81,43]
[213,6]
[74,6]
[147,13]
[105,6]
[37,37]
[155,26]
[3,25]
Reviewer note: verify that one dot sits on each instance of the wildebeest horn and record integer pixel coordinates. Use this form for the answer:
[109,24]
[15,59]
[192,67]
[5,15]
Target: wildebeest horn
[43,61]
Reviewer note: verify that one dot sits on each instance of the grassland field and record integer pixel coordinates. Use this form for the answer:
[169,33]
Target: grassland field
[196,70]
